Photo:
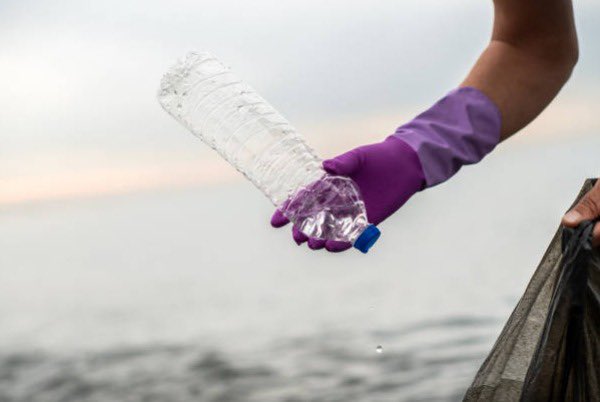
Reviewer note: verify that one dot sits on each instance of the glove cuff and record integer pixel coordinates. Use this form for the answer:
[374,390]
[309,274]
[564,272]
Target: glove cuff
[460,129]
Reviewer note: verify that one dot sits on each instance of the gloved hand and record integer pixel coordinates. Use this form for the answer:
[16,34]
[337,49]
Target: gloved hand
[458,130]
[387,175]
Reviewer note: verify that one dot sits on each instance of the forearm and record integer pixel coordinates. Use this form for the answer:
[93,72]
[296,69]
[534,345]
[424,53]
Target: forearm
[530,57]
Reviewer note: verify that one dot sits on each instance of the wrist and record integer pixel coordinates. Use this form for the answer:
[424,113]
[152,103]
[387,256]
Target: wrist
[410,162]
[460,129]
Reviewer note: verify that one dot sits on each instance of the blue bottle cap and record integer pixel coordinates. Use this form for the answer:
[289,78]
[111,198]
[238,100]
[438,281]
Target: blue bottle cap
[367,238]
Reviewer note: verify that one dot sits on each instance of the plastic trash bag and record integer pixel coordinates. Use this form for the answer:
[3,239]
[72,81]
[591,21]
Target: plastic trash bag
[549,350]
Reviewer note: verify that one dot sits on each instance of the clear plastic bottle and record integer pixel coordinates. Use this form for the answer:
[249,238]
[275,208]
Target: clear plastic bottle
[201,93]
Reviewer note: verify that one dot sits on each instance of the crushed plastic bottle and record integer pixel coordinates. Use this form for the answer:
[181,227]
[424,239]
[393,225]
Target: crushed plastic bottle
[201,93]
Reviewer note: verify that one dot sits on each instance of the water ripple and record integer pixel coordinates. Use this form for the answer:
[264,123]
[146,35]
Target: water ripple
[433,360]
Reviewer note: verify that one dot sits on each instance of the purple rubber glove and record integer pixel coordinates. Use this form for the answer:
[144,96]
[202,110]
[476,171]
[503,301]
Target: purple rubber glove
[458,130]
[387,174]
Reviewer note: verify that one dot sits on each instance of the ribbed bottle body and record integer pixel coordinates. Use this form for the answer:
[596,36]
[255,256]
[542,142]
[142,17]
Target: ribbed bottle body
[227,114]
[231,117]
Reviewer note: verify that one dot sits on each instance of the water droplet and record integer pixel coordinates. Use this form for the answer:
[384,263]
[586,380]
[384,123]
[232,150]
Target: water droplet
[379,349]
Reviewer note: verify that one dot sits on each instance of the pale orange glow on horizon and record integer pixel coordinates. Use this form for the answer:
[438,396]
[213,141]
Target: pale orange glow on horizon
[103,181]
[561,121]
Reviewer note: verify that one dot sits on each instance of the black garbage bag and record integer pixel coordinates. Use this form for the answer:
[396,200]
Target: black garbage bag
[549,350]
[566,363]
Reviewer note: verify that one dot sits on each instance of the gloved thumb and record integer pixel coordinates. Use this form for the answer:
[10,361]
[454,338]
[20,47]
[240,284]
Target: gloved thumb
[343,165]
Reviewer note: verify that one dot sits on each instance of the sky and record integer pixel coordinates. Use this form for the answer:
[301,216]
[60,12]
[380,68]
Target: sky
[79,80]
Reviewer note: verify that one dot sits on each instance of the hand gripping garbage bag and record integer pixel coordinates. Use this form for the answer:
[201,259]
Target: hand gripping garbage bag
[549,350]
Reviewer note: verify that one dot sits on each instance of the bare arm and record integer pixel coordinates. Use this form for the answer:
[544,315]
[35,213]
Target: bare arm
[530,57]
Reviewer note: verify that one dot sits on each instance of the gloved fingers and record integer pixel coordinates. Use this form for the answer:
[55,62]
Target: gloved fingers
[298,236]
[337,246]
[343,165]
[278,219]
[315,244]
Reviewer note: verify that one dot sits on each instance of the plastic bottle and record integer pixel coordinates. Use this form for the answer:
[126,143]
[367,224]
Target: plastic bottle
[201,93]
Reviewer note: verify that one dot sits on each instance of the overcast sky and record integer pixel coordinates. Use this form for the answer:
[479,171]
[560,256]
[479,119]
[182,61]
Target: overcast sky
[79,79]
